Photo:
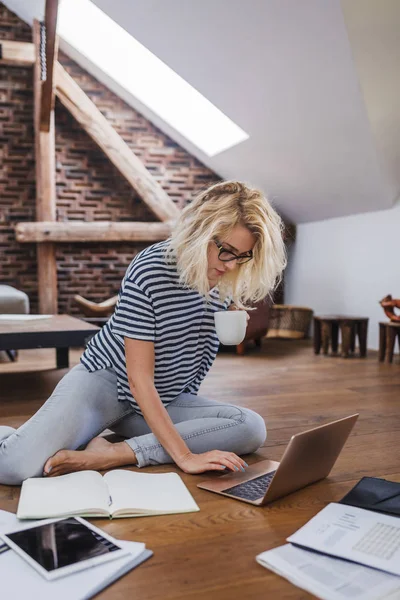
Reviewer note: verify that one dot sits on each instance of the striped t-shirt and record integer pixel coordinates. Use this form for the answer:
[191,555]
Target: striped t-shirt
[153,306]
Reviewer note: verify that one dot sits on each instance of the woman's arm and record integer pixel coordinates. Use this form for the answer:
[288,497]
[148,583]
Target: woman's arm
[140,369]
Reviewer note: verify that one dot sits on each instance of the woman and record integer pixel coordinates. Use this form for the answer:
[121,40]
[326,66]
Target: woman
[139,375]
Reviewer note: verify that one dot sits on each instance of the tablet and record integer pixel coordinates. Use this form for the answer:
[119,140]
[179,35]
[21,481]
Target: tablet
[58,547]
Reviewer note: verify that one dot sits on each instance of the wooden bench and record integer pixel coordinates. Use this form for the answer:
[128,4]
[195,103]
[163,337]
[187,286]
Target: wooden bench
[326,333]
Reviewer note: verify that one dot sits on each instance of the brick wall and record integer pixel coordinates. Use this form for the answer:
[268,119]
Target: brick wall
[88,186]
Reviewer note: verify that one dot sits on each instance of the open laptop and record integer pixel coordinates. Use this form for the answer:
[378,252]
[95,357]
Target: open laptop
[308,457]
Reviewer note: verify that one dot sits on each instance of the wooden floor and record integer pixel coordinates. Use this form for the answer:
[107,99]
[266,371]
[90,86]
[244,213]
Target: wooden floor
[211,554]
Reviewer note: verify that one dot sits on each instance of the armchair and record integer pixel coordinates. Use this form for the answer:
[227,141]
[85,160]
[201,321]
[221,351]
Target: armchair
[13,301]
[257,325]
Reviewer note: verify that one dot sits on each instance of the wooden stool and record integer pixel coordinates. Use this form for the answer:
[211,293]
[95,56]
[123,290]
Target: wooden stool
[326,331]
[388,331]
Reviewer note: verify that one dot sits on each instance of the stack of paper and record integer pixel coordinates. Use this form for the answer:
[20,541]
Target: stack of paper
[360,555]
[327,577]
[19,580]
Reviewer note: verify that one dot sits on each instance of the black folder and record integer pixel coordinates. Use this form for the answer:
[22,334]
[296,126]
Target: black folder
[376,494]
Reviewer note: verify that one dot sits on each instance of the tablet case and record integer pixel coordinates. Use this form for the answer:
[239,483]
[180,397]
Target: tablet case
[375,494]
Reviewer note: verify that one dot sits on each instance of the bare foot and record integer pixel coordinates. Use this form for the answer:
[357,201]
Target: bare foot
[98,454]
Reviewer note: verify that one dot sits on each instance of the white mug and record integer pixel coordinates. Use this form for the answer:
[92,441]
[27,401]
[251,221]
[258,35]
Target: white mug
[231,326]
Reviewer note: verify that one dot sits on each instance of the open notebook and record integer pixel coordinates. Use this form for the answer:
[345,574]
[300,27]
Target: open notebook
[116,494]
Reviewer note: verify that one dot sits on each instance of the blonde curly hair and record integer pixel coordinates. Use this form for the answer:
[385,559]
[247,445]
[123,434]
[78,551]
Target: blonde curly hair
[212,215]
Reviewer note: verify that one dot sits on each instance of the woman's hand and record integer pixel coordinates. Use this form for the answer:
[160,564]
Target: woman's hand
[215,460]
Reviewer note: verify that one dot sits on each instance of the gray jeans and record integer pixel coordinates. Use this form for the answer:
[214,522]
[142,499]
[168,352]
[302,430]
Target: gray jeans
[84,404]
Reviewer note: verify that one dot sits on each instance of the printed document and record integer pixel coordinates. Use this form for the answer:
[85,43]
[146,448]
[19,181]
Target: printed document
[329,578]
[356,534]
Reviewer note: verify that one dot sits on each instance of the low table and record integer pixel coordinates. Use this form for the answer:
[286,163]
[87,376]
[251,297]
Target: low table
[388,331]
[326,332]
[57,331]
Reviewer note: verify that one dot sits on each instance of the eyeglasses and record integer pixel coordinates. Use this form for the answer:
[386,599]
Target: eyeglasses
[227,256]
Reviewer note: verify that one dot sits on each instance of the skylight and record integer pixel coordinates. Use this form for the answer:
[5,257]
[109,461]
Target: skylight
[95,35]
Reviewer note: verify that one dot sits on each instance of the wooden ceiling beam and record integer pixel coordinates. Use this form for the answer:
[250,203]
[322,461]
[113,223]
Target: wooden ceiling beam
[128,164]
[45,189]
[94,231]
[96,125]
[17,54]
[51,51]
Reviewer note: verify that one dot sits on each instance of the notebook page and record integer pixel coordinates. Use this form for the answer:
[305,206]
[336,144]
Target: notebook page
[75,493]
[148,493]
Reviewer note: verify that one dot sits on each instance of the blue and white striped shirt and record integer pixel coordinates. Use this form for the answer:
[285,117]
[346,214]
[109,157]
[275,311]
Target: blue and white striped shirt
[153,306]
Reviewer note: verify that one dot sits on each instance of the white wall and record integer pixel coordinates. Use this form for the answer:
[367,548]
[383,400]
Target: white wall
[346,266]
[318,96]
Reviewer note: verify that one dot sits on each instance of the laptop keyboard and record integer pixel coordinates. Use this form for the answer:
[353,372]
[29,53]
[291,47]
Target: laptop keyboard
[252,489]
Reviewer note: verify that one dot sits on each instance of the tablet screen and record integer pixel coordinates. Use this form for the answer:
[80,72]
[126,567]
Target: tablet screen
[62,543]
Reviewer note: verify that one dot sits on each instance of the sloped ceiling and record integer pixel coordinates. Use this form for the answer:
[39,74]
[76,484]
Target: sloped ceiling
[314,83]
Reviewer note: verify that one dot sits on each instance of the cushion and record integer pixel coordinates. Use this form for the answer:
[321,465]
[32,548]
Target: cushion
[13,301]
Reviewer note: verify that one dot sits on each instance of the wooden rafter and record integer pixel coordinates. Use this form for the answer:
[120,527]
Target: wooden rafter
[46,231]
[51,49]
[95,231]
[17,54]
[45,189]
[97,126]
[128,164]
